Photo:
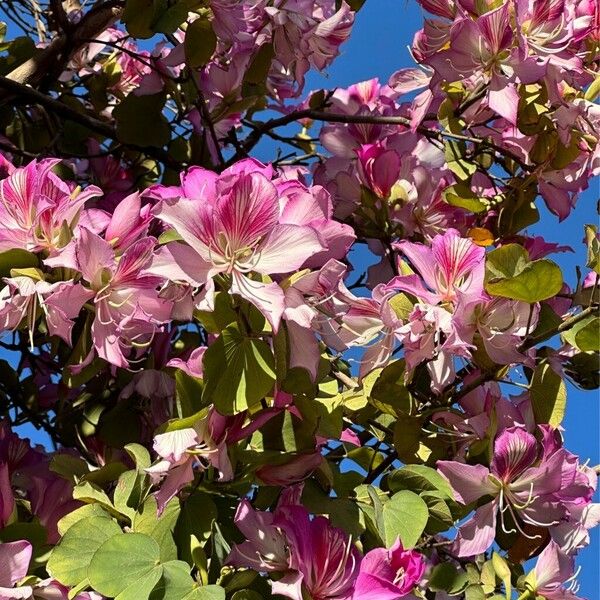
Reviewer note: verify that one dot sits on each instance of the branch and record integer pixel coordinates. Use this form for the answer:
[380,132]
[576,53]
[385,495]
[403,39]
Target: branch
[315,115]
[530,343]
[61,48]
[32,96]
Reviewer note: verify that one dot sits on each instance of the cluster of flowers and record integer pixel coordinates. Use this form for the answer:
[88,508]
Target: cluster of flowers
[243,232]
[507,72]
[285,39]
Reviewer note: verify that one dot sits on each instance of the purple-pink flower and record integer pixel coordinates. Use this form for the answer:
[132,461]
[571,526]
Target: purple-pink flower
[388,574]
[530,482]
[313,556]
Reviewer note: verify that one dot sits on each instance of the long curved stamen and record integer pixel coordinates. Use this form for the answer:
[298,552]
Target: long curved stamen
[519,528]
[503,508]
[528,502]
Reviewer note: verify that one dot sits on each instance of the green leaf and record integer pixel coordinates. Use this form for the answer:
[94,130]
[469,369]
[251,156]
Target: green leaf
[141,588]
[509,274]
[206,592]
[462,167]
[140,120]
[594,90]
[89,493]
[460,195]
[239,371]
[139,455]
[503,571]
[200,43]
[585,335]
[593,245]
[160,528]
[16,259]
[87,510]
[246,595]
[404,515]
[188,394]
[419,478]
[139,16]
[448,578]
[195,519]
[506,261]
[175,582]
[125,561]
[129,492]
[548,394]
[69,560]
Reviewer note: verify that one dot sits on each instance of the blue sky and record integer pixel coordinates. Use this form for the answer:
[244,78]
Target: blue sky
[379,46]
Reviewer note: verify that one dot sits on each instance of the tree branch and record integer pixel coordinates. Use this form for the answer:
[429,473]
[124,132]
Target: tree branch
[530,343]
[316,115]
[32,96]
[61,48]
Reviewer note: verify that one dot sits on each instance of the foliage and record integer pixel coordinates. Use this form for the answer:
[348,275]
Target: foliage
[233,414]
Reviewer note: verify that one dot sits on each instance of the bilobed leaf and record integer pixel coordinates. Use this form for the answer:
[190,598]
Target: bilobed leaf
[175,582]
[206,592]
[593,245]
[69,561]
[239,371]
[548,394]
[445,577]
[594,90]
[128,493]
[16,259]
[405,515]
[246,595]
[138,17]
[510,274]
[188,393]
[195,519]
[505,262]
[160,528]
[462,167]
[200,43]
[87,510]
[419,478]
[139,454]
[502,570]
[460,195]
[585,335]
[123,561]
[89,493]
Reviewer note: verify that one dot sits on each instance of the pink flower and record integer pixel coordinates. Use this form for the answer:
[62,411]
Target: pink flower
[379,169]
[35,206]
[531,482]
[431,335]
[60,303]
[371,322]
[232,225]
[128,307]
[324,558]
[452,267]
[388,574]
[314,557]
[179,452]
[14,564]
[553,570]
[502,325]
[293,471]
